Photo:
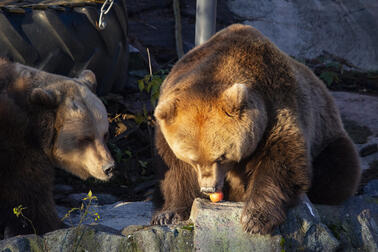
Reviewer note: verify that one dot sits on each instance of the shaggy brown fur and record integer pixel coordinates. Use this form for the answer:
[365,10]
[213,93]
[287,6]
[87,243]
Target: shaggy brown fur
[34,106]
[237,114]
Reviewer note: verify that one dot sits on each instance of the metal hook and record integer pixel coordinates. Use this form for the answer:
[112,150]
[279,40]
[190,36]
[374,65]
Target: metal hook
[101,22]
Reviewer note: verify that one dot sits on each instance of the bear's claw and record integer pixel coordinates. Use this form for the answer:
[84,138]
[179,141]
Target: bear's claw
[256,221]
[168,217]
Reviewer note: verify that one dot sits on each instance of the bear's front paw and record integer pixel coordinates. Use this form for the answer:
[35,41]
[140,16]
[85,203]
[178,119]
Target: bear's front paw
[169,217]
[260,220]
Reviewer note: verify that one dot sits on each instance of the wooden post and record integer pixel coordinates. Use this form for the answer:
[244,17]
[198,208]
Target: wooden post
[178,29]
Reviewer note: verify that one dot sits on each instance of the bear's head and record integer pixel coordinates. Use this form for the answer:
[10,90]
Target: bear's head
[212,134]
[72,121]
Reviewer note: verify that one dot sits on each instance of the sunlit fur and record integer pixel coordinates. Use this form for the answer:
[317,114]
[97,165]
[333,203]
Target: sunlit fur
[214,136]
[80,146]
[81,124]
[237,114]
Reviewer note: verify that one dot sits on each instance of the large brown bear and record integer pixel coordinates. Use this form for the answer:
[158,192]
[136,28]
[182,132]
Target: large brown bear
[46,120]
[239,115]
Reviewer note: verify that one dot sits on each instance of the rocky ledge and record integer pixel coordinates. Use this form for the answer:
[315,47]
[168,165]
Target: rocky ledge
[216,227]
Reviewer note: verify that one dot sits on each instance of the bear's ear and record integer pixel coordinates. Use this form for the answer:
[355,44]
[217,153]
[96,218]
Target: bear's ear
[235,99]
[44,97]
[166,110]
[88,78]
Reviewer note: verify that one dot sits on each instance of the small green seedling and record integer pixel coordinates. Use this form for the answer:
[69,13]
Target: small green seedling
[18,211]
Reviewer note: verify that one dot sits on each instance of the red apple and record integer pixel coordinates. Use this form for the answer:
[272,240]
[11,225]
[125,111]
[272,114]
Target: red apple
[217,196]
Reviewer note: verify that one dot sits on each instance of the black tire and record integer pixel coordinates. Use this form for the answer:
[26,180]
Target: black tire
[65,40]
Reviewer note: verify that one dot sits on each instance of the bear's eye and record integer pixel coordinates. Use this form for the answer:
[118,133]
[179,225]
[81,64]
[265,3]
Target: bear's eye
[221,159]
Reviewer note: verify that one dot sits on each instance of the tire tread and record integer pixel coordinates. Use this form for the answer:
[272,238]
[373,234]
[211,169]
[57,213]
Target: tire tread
[67,42]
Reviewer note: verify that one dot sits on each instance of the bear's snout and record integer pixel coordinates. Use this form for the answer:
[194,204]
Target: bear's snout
[211,178]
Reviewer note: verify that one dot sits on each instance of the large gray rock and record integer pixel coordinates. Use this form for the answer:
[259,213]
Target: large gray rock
[362,109]
[160,238]
[22,243]
[217,228]
[359,114]
[304,29]
[99,239]
[371,189]
[81,238]
[354,223]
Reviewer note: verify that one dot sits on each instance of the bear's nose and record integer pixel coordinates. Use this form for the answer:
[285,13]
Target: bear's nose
[108,169]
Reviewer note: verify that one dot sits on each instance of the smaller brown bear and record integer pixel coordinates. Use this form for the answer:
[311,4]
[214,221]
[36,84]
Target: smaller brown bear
[46,120]
[238,115]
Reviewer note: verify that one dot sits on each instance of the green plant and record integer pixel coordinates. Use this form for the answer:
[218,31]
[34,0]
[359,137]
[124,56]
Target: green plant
[85,210]
[142,117]
[143,164]
[329,77]
[151,84]
[282,244]
[189,227]
[18,211]
[128,153]
[118,154]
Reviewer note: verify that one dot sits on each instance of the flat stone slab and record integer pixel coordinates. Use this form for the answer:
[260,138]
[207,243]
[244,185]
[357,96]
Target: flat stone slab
[116,216]
[217,227]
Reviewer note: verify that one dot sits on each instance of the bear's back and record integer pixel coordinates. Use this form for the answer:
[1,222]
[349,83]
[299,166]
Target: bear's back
[237,54]
[317,110]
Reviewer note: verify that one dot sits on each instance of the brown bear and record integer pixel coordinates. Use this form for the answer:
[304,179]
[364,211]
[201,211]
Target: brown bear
[238,115]
[46,120]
